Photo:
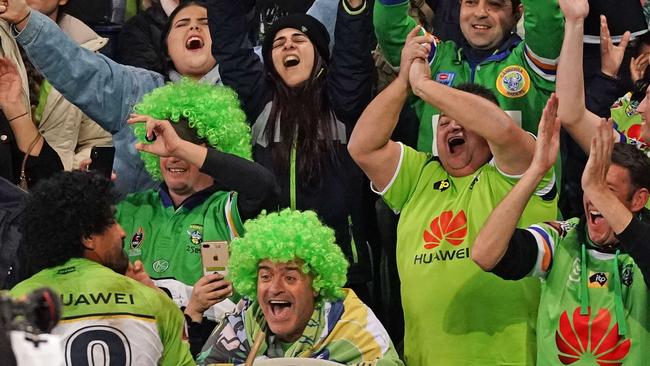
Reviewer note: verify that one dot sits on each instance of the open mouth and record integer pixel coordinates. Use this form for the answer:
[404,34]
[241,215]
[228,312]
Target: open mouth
[595,217]
[481,26]
[454,142]
[194,43]
[291,61]
[176,170]
[280,308]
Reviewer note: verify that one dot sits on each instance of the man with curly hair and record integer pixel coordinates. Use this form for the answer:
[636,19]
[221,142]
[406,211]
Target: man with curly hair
[196,139]
[291,272]
[75,245]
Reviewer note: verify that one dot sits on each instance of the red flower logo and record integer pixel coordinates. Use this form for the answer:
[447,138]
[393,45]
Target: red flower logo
[446,227]
[590,339]
[635,132]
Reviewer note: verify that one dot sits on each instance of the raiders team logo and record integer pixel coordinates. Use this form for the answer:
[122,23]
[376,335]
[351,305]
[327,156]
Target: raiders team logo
[136,242]
[195,233]
[513,82]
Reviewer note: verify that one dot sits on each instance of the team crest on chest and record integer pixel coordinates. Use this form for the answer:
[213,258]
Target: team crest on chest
[513,82]
[136,242]
[195,233]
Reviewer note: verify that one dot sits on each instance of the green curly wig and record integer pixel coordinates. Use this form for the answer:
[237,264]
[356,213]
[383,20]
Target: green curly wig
[213,112]
[284,236]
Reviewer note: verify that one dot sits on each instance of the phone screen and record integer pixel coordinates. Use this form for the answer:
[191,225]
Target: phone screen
[102,160]
[214,256]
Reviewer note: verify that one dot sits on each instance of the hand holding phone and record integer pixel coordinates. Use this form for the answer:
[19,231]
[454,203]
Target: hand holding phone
[208,290]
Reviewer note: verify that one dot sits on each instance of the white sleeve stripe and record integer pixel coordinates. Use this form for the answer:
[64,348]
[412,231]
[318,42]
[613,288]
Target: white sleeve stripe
[493,162]
[546,189]
[538,71]
[548,61]
[392,180]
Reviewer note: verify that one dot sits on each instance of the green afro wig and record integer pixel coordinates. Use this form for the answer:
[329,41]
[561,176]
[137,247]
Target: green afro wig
[212,112]
[282,237]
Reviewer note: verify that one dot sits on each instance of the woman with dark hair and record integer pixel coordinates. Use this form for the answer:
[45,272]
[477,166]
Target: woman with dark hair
[107,91]
[303,106]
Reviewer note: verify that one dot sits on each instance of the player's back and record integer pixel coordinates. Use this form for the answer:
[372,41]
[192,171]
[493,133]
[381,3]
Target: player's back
[110,319]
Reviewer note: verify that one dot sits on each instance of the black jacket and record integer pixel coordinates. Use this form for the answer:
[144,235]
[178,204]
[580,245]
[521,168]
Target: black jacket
[37,167]
[11,205]
[337,196]
[140,41]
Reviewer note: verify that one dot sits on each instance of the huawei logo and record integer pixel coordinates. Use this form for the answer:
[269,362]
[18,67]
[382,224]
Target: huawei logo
[590,339]
[447,227]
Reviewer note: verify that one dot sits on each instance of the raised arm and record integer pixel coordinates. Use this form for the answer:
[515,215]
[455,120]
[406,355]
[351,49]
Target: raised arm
[628,227]
[16,112]
[576,119]
[350,77]
[255,185]
[511,146]
[100,87]
[370,145]
[495,237]
[543,25]
[239,66]
[392,25]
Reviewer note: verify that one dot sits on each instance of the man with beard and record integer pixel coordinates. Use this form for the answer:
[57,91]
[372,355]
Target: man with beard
[73,240]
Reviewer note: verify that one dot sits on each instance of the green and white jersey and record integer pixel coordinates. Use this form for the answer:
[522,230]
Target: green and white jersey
[456,314]
[168,240]
[521,76]
[579,323]
[107,316]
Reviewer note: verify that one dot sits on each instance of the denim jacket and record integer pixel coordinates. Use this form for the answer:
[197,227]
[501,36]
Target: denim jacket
[103,89]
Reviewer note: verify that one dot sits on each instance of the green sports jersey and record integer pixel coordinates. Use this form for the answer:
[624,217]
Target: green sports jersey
[570,333]
[456,314]
[628,121]
[167,239]
[110,316]
[522,76]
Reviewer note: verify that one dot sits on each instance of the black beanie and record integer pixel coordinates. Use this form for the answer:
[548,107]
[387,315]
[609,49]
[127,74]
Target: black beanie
[310,26]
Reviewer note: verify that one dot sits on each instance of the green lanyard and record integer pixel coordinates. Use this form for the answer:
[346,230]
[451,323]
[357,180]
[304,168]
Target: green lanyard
[292,175]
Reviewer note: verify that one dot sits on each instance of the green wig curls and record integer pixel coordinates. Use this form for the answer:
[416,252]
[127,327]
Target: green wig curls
[212,112]
[284,236]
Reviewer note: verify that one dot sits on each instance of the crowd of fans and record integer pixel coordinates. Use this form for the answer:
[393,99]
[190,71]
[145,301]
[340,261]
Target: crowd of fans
[419,182]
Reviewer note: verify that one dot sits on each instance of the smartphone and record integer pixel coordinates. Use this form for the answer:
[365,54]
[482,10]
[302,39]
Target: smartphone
[214,256]
[102,160]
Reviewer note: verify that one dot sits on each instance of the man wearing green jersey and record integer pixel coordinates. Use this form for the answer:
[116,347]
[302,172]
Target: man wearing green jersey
[290,271]
[454,313]
[196,139]
[520,73]
[595,269]
[73,242]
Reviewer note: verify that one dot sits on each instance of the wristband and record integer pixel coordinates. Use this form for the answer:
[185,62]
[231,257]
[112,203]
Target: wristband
[18,116]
